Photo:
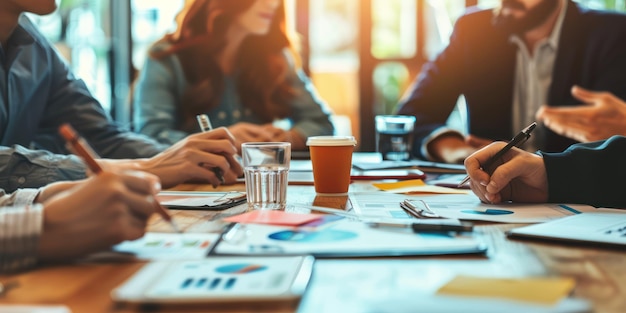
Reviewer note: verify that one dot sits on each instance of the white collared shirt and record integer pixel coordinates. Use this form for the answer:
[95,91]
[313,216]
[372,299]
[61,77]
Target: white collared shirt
[533,77]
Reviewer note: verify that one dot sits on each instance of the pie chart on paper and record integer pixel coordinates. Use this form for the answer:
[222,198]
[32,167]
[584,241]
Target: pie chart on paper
[327,235]
[488,212]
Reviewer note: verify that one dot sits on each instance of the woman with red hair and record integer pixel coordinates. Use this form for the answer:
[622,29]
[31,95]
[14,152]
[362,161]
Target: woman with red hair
[232,60]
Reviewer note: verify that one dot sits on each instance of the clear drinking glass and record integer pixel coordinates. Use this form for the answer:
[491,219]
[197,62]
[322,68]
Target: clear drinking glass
[266,167]
[394,136]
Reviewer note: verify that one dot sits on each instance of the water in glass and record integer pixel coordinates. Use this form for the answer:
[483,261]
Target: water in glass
[266,186]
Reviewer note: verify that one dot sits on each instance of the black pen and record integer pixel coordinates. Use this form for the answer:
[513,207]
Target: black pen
[517,141]
[205,126]
[428,227]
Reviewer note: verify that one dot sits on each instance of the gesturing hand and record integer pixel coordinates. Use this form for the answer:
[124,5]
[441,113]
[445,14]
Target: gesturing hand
[602,117]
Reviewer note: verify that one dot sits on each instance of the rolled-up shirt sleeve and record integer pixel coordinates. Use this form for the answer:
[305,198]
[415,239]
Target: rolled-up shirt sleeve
[25,168]
[21,224]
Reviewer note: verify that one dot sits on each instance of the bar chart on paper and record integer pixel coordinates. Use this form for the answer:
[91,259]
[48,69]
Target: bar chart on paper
[165,246]
[218,279]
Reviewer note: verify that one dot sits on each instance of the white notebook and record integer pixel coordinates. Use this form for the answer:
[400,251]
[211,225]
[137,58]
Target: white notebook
[605,227]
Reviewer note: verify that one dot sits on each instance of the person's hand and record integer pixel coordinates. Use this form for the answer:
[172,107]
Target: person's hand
[454,149]
[477,142]
[518,176]
[298,142]
[191,159]
[247,132]
[274,133]
[53,189]
[602,117]
[96,214]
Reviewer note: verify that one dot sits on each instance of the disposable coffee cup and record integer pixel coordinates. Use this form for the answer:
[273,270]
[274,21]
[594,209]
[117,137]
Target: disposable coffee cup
[332,161]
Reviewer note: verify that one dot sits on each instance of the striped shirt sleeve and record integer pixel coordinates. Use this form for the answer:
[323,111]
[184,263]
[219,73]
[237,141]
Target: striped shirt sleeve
[21,224]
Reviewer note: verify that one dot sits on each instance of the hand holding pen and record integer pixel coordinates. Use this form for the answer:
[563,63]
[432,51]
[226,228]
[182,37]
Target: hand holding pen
[520,176]
[80,147]
[516,141]
[205,126]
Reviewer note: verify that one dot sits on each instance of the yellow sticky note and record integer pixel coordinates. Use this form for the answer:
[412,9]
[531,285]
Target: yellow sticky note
[416,186]
[542,290]
[400,184]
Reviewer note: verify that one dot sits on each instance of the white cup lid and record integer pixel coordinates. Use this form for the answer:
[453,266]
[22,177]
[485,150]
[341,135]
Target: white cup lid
[331,141]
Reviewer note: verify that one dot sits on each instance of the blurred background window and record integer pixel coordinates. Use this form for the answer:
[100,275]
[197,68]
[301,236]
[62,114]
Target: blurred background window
[361,54]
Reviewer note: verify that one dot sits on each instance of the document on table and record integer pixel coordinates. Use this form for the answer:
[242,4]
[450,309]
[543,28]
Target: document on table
[200,200]
[426,166]
[380,205]
[408,286]
[464,207]
[164,246]
[605,226]
[342,238]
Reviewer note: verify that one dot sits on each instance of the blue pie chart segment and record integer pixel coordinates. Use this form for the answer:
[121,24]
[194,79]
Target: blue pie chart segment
[327,235]
[488,212]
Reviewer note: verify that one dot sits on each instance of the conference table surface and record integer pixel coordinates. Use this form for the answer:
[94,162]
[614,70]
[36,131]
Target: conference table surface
[340,285]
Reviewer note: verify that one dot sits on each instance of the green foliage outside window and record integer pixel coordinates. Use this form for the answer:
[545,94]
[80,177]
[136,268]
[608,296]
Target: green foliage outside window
[617,5]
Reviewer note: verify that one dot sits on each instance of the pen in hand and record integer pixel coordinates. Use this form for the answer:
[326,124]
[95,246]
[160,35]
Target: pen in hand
[205,126]
[516,141]
[80,147]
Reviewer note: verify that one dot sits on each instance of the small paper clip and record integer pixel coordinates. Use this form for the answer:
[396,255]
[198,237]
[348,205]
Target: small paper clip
[423,211]
[236,234]
[230,197]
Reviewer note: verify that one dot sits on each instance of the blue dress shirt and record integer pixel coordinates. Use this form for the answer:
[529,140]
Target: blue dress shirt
[39,93]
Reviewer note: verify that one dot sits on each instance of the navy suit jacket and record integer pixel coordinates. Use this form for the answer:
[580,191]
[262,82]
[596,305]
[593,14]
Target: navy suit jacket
[590,173]
[479,63]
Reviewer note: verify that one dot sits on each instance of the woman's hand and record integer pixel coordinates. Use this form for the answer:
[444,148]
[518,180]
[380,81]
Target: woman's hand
[191,159]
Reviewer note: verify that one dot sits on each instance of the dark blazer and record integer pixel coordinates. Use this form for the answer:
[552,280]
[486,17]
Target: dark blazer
[479,63]
[590,173]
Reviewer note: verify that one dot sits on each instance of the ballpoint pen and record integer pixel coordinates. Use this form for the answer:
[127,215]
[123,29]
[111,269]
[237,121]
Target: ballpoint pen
[80,147]
[430,226]
[517,141]
[205,126]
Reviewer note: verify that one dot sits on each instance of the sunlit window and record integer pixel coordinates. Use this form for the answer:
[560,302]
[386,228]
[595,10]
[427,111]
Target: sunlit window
[393,29]
[390,79]
[79,31]
[151,19]
[334,33]
[617,5]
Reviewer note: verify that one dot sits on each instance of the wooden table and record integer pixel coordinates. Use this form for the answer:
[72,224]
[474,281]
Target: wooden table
[343,285]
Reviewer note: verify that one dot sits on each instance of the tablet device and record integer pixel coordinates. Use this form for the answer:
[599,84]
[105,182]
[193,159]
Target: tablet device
[218,280]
